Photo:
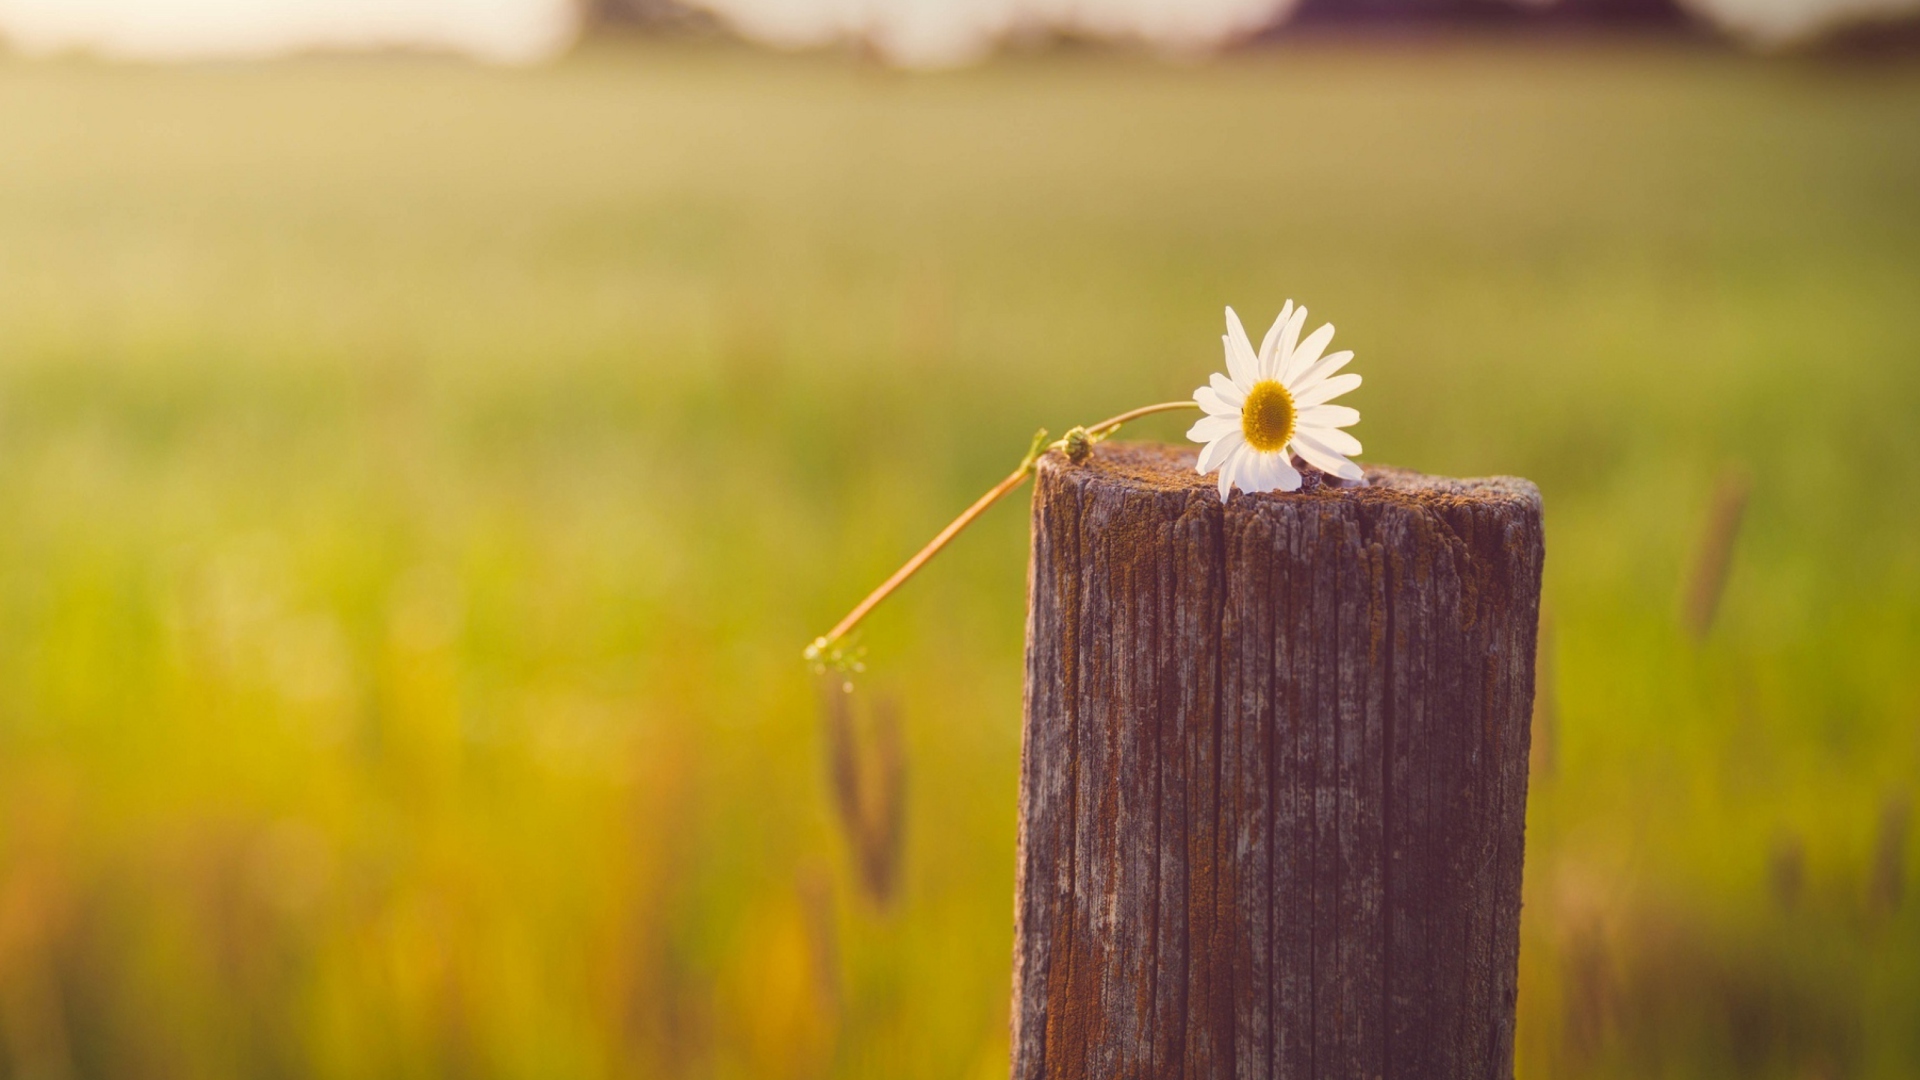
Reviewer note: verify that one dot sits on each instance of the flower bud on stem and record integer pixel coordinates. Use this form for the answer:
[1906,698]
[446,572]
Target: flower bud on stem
[1077,444]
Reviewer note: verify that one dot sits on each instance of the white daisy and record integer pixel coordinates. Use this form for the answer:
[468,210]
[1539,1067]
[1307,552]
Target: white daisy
[1273,406]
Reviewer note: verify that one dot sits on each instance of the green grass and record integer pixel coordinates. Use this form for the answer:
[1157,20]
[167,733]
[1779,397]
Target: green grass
[418,483]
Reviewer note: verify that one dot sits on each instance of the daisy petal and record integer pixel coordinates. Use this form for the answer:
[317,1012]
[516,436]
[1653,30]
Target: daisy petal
[1324,459]
[1332,438]
[1328,365]
[1209,428]
[1251,476]
[1308,352]
[1269,472]
[1242,364]
[1212,404]
[1246,470]
[1228,392]
[1290,337]
[1241,373]
[1329,416]
[1289,476]
[1326,391]
[1216,402]
[1218,452]
[1227,470]
[1270,346]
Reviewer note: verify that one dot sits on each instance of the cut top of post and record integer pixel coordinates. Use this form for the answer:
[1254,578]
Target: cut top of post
[1154,468]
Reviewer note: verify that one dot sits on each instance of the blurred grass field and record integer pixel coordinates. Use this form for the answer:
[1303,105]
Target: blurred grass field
[418,482]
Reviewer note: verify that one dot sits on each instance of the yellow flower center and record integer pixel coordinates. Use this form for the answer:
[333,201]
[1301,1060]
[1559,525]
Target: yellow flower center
[1267,417]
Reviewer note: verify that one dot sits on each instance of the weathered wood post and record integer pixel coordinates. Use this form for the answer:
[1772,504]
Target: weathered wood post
[1274,780]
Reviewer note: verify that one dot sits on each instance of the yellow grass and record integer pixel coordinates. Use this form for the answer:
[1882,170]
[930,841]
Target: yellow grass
[418,483]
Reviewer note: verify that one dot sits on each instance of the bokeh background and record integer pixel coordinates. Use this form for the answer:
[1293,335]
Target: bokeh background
[418,478]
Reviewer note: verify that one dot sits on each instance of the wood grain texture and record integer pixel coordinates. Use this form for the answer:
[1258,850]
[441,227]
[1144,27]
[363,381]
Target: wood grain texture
[1274,774]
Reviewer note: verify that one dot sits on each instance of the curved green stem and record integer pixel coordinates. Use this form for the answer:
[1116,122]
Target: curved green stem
[822,646]
[1107,427]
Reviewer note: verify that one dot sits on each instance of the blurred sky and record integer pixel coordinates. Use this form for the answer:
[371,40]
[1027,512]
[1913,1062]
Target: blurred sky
[927,33]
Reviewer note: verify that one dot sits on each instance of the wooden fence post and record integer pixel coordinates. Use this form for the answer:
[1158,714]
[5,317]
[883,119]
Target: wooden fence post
[1274,776]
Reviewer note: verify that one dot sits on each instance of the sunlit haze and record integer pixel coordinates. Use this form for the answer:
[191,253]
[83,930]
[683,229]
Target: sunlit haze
[920,33]
[498,30]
